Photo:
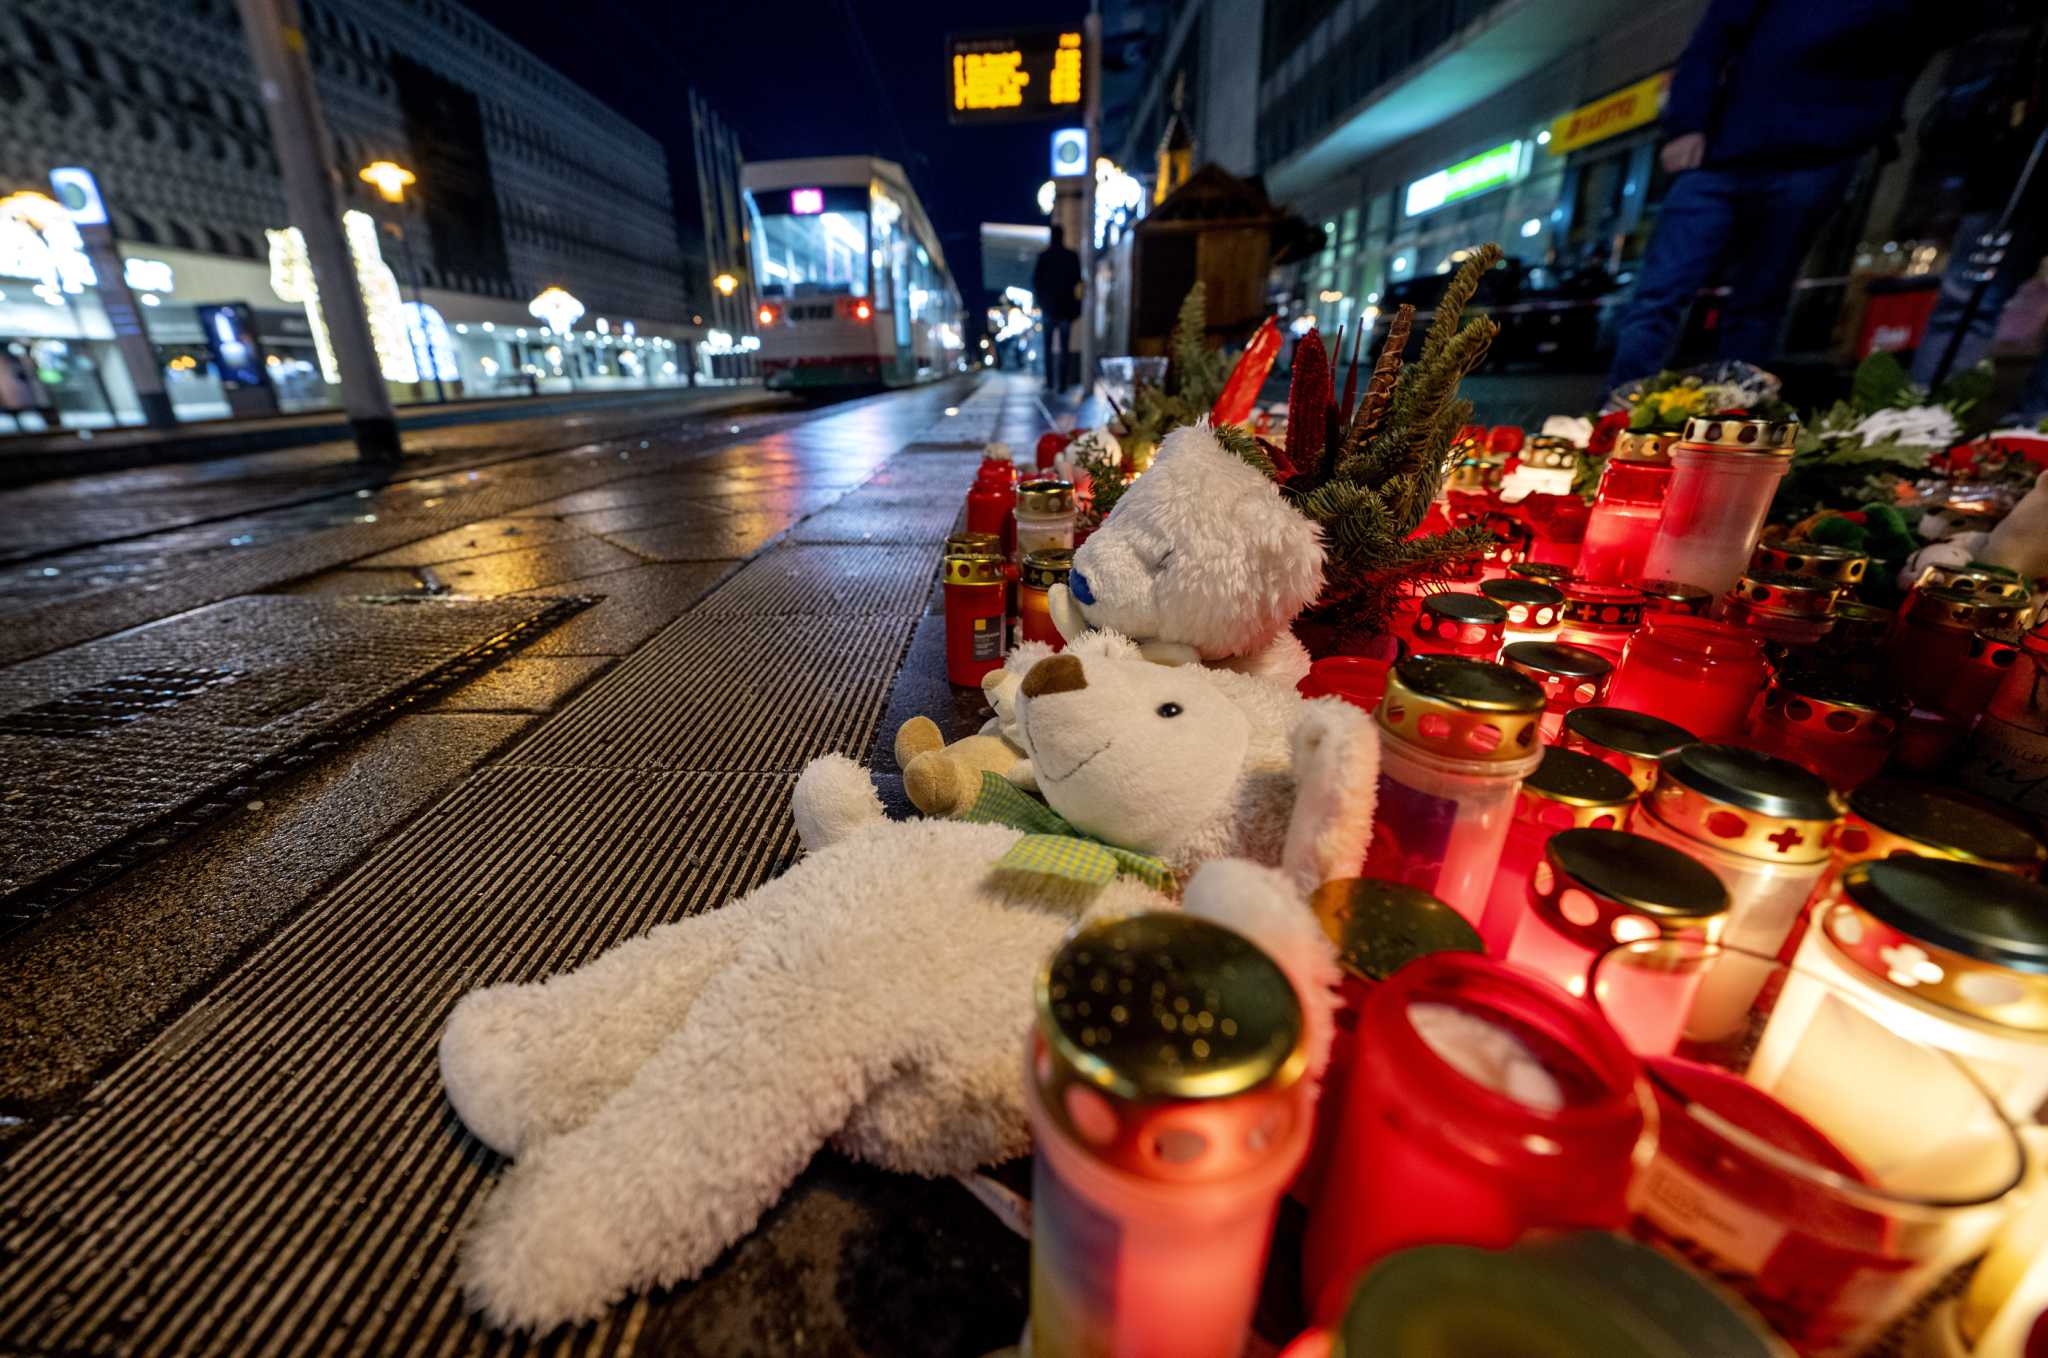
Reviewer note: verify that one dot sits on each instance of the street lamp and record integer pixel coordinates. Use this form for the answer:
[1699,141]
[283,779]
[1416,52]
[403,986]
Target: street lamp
[391,180]
[726,284]
[561,311]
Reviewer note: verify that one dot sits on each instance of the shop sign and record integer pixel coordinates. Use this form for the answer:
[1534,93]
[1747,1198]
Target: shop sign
[148,275]
[1622,111]
[1488,170]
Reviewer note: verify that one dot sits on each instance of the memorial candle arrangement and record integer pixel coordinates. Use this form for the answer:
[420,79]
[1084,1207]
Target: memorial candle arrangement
[1596,888]
[1760,823]
[1483,1103]
[1633,742]
[1831,1189]
[1723,475]
[1169,1110]
[1674,598]
[1567,791]
[1458,736]
[1843,567]
[1703,674]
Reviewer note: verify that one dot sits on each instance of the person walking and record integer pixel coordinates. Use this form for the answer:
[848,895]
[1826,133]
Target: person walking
[1989,127]
[1773,104]
[1056,286]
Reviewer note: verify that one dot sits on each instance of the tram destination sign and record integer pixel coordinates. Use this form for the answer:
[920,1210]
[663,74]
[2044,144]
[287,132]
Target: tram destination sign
[1015,74]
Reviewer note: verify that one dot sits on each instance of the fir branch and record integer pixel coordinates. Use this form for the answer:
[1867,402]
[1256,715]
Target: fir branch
[1443,326]
[1243,445]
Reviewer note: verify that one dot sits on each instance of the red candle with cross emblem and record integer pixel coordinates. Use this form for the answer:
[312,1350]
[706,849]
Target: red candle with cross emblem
[1761,823]
[1452,623]
[1601,617]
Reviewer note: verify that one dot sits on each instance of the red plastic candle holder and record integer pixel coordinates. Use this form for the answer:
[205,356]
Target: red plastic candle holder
[1571,676]
[1836,727]
[1600,617]
[976,617]
[1633,742]
[1427,1154]
[1568,791]
[1623,523]
[1457,624]
[1701,674]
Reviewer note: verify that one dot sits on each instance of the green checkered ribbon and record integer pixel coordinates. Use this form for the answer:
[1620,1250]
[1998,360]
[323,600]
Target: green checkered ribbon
[1052,847]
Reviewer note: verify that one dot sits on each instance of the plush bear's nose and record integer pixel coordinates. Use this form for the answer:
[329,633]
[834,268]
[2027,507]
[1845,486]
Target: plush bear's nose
[1055,674]
[1077,585]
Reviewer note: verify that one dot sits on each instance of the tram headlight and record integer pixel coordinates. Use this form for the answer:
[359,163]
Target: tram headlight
[767,315]
[862,311]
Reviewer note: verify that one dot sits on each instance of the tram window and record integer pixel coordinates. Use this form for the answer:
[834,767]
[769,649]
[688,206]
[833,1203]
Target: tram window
[821,251]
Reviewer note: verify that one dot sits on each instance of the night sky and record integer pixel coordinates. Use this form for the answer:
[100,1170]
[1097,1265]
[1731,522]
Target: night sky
[792,78]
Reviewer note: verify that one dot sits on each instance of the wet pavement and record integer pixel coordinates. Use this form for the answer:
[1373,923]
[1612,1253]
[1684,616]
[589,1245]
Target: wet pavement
[221,1129]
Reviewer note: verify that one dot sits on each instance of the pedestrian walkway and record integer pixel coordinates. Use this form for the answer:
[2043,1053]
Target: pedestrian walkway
[268,1166]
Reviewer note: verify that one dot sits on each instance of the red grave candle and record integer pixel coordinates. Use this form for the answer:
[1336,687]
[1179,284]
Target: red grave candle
[1675,598]
[1827,722]
[1483,1104]
[1567,791]
[1626,509]
[1703,674]
[1451,623]
[992,500]
[1571,676]
[1600,617]
[1633,742]
[1594,888]
[1793,610]
[975,616]
[1535,609]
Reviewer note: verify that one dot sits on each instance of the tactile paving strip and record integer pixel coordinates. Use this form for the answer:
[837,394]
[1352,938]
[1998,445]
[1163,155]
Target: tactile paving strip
[829,579]
[83,804]
[743,694]
[277,1173]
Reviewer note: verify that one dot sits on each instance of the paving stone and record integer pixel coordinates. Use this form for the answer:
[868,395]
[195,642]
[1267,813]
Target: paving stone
[911,522]
[632,605]
[476,539]
[737,534]
[652,515]
[529,684]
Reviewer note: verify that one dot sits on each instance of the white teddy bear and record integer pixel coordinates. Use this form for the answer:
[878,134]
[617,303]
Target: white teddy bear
[1202,560]
[875,996]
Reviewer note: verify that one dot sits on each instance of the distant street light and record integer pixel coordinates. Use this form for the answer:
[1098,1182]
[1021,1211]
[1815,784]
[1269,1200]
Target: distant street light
[52,225]
[561,311]
[389,178]
[726,284]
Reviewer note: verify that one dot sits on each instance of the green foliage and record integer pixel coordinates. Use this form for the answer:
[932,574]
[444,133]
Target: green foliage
[1390,464]
[1880,384]
[1195,375]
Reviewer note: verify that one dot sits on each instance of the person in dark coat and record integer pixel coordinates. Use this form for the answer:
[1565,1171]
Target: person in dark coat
[1056,286]
[1773,104]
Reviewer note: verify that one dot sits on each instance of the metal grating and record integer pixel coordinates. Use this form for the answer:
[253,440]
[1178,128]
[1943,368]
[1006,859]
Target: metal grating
[830,580]
[122,699]
[741,694]
[277,1173]
[861,518]
[85,805]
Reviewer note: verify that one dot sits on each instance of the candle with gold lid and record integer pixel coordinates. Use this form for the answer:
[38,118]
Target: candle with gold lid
[1633,742]
[1663,597]
[1702,672]
[1600,617]
[1843,567]
[1459,737]
[1534,608]
[1932,638]
[1761,823]
[1827,720]
[1723,475]
[1567,791]
[1626,508]
[1596,888]
[1796,610]
[973,544]
[1893,816]
[1571,676]
[1974,577]
[1946,953]
[1042,569]
[1450,622]
[1547,572]
[1377,928]
[1169,1108]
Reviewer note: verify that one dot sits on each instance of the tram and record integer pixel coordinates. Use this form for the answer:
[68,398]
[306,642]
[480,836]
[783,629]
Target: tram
[853,288]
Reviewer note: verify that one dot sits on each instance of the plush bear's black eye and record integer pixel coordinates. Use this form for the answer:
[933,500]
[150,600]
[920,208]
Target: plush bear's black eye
[1169,709]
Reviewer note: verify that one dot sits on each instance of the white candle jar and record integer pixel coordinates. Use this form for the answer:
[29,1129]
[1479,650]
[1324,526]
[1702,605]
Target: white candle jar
[1944,953]
[1761,823]
[1459,737]
[1045,516]
[1724,473]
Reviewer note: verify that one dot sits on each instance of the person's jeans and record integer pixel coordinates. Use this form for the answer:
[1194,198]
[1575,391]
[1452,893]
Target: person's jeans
[2022,254]
[1748,227]
[1055,354]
